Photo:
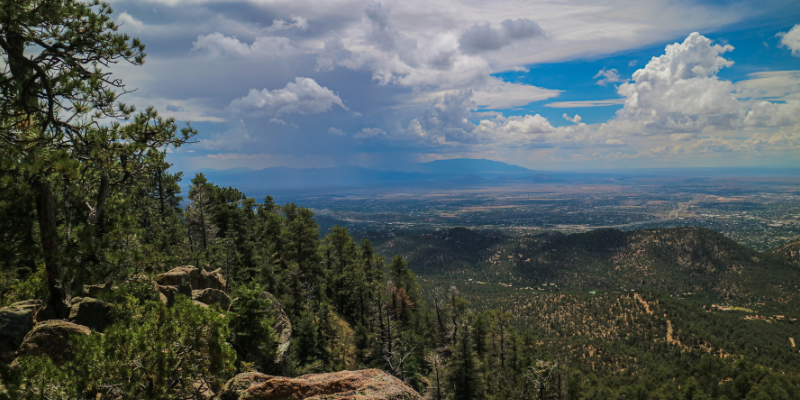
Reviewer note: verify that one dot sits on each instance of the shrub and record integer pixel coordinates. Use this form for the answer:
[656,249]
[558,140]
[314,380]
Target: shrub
[161,353]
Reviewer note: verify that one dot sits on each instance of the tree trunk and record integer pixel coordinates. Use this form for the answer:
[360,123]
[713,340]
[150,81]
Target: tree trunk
[436,302]
[45,208]
[162,207]
[502,344]
[102,195]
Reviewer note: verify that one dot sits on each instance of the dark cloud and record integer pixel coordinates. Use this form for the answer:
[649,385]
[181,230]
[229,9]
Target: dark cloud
[386,37]
[483,37]
[333,53]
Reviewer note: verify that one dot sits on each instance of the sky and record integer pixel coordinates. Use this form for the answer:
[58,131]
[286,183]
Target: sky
[548,85]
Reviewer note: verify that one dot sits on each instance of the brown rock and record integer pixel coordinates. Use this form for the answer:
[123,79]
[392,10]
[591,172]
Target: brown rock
[16,321]
[212,280]
[166,293]
[212,296]
[44,313]
[368,384]
[283,329]
[185,278]
[52,339]
[93,313]
[202,390]
[95,291]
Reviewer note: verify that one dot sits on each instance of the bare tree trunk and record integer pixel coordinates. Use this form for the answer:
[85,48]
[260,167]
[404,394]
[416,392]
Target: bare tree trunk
[162,207]
[45,208]
[437,304]
[97,212]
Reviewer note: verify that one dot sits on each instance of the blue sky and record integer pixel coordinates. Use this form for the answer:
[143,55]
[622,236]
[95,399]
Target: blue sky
[542,84]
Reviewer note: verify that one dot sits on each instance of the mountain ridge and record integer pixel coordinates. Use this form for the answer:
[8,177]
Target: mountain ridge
[693,261]
[348,176]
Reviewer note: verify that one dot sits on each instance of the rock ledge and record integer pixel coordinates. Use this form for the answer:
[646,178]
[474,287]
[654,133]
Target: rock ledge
[368,384]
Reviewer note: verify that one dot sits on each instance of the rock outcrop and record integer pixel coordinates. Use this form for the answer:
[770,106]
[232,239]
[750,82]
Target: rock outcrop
[190,281]
[93,313]
[212,280]
[212,296]
[95,291]
[283,330]
[183,278]
[166,293]
[16,321]
[369,384]
[52,338]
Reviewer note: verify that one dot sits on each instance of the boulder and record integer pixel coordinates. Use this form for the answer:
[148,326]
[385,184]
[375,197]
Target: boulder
[52,339]
[202,390]
[212,296]
[166,293]
[93,313]
[211,280]
[16,321]
[283,330]
[95,291]
[368,384]
[185,278]
[44,313]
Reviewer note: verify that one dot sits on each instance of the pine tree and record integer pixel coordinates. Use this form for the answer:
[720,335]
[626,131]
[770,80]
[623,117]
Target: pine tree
[54,92]
[464,374]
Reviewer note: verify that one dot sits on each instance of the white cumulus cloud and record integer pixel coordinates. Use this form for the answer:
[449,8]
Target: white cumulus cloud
[130,22]
[791,40]
[608,76]
[679,91]
[303,96]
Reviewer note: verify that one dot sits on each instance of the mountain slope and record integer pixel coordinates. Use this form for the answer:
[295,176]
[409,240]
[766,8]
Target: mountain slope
[681,261]
[788,253]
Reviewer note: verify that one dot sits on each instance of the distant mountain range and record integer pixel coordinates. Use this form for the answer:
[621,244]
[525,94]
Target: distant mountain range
[457,172]
[458,166]
[462,170]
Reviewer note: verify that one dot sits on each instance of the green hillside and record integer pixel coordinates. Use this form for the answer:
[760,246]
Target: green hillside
[788,253]
[681,261]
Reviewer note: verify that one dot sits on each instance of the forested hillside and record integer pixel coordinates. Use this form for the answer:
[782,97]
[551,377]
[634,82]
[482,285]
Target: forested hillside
[680,261]
[790,253]
[97,239]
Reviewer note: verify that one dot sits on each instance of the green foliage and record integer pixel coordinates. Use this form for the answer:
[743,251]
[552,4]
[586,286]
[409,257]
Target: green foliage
[309,350]
[80,195]
[251,325]
[32,287]
[163,353]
